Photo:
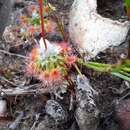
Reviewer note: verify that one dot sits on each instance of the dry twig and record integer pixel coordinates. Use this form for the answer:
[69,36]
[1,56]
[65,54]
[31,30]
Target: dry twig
[23,91]
[16,123]
[13,54]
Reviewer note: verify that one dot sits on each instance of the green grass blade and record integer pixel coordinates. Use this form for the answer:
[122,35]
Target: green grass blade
[121,76]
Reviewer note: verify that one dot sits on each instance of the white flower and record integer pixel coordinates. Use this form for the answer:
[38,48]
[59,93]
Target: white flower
[52,49]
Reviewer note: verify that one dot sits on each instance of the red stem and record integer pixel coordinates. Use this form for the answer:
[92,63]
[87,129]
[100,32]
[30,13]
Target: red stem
[41,2]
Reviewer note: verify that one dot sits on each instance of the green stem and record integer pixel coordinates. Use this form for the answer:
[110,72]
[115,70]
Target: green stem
[59,24]
[78,70]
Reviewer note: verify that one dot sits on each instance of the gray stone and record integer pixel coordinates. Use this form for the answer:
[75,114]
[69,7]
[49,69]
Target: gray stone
[47,124]
[42,126]
[87,112]
[55,110]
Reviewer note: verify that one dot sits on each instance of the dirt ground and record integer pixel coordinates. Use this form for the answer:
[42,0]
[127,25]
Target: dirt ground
[31,108]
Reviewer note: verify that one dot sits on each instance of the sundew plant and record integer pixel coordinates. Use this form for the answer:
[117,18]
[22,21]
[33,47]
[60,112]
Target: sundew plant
[51,65]
[29,24]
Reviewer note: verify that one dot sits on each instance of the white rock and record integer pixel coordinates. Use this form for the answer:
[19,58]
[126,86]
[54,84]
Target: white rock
[92,32]
[3,107]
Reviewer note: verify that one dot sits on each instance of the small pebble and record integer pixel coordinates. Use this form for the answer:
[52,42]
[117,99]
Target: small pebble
[55,110]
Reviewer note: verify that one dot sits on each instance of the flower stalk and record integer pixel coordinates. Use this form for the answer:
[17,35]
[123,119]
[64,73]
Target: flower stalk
[41,11]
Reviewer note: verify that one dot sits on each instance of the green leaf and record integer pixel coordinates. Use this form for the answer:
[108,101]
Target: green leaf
[45,2]
[126,69]
[121,76]
[125,73]
[35,21]
[127,3]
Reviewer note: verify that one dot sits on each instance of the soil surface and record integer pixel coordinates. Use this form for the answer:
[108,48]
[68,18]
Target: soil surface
[31,108]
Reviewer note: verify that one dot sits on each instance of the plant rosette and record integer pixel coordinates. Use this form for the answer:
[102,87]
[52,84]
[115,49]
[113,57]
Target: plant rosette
[30,23]
[51,65]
